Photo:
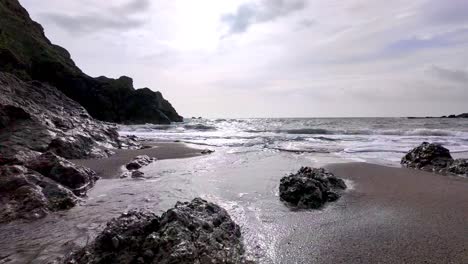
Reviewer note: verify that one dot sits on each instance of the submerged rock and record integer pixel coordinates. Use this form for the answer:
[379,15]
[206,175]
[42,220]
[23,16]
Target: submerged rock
[29,195]
[434,157]
[310,188]
[139,162]
[79,179]
[196,232]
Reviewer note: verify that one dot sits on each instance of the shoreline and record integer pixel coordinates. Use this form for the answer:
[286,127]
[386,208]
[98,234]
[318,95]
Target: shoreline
[109,168]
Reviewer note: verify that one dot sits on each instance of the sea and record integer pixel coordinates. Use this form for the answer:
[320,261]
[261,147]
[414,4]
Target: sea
[375,140]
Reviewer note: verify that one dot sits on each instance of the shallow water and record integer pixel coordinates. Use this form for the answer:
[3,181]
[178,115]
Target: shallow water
[246,184]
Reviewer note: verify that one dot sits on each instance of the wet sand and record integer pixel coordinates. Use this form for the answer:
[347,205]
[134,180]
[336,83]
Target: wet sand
[111,167]
[392,215]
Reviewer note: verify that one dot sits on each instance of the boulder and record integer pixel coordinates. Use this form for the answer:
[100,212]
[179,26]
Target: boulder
[310,188]
[434,157]
[27,194]
[77,178]
[139,161]
[428,156]
[191,232]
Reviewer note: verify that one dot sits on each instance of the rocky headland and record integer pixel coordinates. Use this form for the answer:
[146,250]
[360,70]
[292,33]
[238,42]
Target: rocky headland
[51,111]
[26,53]
[434,157]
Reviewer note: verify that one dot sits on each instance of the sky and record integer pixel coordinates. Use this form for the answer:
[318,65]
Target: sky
[274,58]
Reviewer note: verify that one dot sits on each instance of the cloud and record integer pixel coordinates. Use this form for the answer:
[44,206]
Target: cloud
[448,12]
[115,18]
[254,13]
[456,76]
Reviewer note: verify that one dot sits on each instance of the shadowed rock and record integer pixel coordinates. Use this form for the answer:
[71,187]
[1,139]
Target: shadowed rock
[29,195]
[79,179]
[195,232]
[310,188]
[26,52]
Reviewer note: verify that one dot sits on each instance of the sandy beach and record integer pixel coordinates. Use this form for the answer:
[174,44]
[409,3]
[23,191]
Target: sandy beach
[392,215]
[111,167]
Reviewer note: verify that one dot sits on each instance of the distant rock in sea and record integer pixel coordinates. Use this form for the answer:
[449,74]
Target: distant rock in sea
[434,157]
[195,232]
[464,115]
[310,188]
[26,53]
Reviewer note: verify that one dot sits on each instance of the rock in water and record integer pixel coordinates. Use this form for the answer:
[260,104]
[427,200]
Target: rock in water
[139,162]
[27,194]
[428,156]
[434,157]
[196,232]
[79,179]
[310,188]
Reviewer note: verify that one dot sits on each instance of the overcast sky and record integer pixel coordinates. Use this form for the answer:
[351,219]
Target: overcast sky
[274,58]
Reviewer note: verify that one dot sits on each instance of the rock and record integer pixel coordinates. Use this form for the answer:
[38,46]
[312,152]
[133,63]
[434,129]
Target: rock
[139,162]
[137,174]
[428,156]
[27,194]
[310,188]
[436,158]
[37,117]
[207,151]
[26,53]
[79,179]
[459,167]
[195,232]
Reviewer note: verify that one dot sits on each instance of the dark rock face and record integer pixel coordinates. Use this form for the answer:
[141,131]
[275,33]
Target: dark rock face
[434,157]
[36,118]
[139,162]
[77,178]
[27,194]
[195,232]
[310,188]
[26,52]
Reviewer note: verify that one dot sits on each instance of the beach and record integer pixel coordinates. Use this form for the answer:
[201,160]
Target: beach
[392,215]
[387,215]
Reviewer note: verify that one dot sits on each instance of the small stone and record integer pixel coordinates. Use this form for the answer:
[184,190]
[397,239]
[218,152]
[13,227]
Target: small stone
[137,174]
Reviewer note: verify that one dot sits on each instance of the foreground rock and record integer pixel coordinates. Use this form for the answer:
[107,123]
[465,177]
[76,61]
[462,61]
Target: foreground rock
[27,194]
[310,188]
[195,232]
[434,157]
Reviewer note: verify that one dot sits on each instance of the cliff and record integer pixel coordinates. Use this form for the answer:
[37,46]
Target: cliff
[26,53]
